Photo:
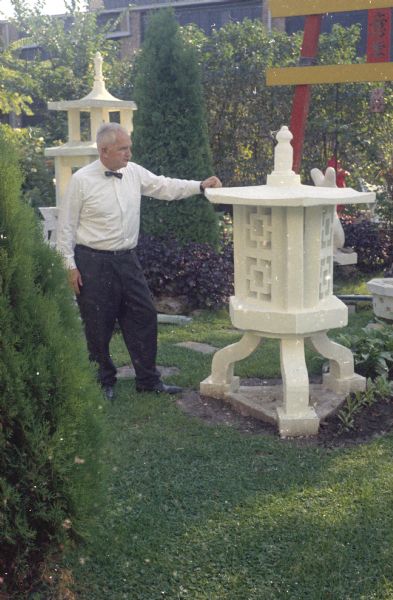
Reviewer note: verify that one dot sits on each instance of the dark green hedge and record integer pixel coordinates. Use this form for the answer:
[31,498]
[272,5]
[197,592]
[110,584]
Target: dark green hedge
[50,405]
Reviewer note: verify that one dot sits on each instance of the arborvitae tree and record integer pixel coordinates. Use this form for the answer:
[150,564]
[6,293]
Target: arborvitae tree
[171,135]
[50,404]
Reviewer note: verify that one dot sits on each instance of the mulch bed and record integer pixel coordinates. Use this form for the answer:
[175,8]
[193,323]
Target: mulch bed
[370,423]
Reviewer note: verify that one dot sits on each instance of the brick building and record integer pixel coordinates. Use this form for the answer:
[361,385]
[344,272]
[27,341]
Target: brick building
[207,14]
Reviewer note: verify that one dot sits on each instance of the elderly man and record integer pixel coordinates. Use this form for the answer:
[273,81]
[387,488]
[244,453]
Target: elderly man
[97,236]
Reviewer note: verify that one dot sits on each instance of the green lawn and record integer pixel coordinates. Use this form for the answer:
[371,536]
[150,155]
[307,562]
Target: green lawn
[203,512]
[357,284]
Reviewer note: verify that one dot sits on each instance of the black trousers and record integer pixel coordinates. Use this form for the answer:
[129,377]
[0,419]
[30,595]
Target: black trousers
[114,289]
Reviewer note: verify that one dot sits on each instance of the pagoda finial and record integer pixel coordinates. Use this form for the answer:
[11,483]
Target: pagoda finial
[283,152]
[283,158]
[98,60]
[99,90]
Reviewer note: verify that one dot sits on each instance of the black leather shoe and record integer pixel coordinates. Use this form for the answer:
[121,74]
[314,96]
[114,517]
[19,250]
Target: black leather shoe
[109,391]
[161,388]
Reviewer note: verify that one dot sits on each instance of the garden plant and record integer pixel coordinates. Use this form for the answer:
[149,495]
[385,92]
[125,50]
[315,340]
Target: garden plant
[195,500]
[171,136]
[50,406]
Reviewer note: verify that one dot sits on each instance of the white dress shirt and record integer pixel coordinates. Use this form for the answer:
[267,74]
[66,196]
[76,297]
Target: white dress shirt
[104,212]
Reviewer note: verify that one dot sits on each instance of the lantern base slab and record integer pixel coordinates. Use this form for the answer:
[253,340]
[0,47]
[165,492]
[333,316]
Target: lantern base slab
[218,390]
[266,404]
[346,385]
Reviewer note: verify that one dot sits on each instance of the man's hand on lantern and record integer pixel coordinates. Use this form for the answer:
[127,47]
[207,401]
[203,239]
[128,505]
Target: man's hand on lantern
[210,182]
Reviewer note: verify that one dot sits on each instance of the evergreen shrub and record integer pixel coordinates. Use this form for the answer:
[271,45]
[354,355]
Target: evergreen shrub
[170,136]
[199,273]
[372,244]
[50,405]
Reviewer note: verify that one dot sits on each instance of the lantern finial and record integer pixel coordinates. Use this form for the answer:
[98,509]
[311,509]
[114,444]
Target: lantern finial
[283,160]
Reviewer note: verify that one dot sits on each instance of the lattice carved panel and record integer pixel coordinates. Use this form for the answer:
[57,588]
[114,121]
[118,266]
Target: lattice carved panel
[326,264]
[258,253]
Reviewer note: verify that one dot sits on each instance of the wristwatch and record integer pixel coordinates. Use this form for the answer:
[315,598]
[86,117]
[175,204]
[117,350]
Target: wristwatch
[201,188]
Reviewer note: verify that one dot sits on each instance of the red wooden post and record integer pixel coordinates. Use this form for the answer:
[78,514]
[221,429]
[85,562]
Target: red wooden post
[378,50]
[379,35]
[302,94]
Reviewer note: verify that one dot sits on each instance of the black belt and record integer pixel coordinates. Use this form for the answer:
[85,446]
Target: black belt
[107,252]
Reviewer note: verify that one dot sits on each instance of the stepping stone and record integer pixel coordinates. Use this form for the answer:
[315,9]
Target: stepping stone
[375,326]
[173,319]
[128,372]
[198,347]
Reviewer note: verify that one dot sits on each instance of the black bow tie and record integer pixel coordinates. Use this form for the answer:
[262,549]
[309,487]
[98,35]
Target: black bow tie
[113,174]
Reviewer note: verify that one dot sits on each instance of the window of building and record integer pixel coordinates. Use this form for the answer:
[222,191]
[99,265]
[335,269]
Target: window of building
[214,16]
[109,4]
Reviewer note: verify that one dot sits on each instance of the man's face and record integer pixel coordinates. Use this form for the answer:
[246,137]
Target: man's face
[115,156]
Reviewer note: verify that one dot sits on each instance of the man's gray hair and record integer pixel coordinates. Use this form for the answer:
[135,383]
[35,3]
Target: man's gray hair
[107,133]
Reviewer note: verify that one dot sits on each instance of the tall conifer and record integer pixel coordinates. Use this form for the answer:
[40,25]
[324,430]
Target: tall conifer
[50,424]
[170,136]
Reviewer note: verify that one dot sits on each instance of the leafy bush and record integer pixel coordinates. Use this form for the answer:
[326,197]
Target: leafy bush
[50,413]
[38,172]
[384,204]
[61,68]
[195,271]
[372,244]
[372,350]
[373,356]
[242,110]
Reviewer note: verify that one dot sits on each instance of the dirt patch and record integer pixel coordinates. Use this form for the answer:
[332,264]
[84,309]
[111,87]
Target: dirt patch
[372,422]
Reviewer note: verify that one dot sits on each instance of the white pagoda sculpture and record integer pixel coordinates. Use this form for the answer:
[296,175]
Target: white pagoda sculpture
[100,106]
[283,253]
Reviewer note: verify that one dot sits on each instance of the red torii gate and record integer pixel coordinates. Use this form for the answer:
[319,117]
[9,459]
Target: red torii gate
[378,51]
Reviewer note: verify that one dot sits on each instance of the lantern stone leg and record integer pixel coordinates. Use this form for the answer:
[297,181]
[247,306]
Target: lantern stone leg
[221,381]
[296,416]
[341,377]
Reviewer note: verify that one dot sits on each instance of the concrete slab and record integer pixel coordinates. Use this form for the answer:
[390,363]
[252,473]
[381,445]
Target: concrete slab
[262,402]
[198,347]
[173,319]
[128,372]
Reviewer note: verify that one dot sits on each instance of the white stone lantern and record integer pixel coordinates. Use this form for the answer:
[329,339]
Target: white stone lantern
[99,105]
[283,253]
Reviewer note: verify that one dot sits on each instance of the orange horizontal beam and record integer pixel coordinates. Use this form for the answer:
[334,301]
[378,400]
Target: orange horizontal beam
[348,73]
[291,8]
